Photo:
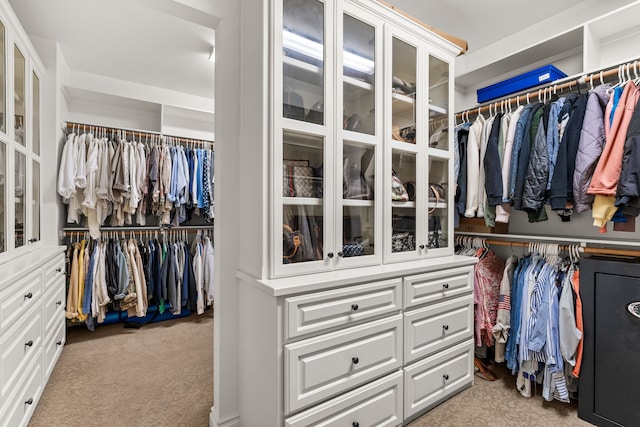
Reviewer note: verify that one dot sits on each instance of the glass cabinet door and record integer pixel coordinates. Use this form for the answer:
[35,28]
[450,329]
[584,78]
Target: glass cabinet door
[358,209]
[19,195]
[35,202]
[303,49]
[437,204]
[438,103]
[3,75]
[302,191]
[19,93]
[403,89]
[35,115]
[403,206]
[359,79]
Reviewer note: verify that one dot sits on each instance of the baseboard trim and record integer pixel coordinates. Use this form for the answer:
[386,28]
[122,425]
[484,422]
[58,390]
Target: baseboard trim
[230,422]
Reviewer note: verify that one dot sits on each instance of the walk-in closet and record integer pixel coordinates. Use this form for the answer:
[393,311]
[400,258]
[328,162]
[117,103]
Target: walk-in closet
[319,212]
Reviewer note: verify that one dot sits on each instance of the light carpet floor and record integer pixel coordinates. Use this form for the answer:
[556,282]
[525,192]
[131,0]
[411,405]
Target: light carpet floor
[162,375]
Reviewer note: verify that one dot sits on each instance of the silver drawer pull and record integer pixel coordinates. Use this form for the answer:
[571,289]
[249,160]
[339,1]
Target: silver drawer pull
[634,309]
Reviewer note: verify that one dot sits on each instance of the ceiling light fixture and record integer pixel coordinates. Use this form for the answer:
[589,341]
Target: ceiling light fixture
[316,50]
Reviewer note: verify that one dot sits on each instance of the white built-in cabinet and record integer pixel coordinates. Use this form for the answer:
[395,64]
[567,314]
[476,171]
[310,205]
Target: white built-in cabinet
[364,315]
[32,279]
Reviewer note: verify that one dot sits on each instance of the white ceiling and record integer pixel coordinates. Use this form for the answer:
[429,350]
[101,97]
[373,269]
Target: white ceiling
[161,43]
[166,43]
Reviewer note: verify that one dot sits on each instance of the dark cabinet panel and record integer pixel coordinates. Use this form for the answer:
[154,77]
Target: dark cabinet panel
[610,373]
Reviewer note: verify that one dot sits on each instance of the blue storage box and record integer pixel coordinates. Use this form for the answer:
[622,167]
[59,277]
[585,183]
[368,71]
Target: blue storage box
[542,75]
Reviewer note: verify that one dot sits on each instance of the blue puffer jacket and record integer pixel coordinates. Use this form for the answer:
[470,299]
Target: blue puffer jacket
[592,140]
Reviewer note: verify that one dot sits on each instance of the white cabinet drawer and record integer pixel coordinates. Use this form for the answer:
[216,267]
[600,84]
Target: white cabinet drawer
[16,299]
[432,328]
[322,310]
[53,270]
[434,286]
[24,402]
[324,366]
[432,380]
[53,347]
[17,347]
[54,306]
[378,403]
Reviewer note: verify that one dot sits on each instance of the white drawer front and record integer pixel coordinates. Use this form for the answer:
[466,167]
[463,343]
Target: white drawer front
[432,287]
[17,349]
[23,404]
[322,310]
[432,328]
[321,367]
[54,302]
[432,380]
[53,348]
[376,404]
[19,298]
[53,270]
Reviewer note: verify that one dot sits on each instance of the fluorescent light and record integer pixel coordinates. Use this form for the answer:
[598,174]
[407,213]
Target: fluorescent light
[316,50]
[212,54]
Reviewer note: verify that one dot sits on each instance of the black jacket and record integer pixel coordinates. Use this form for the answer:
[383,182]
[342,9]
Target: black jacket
[492,166]
[561,193]
[525,151]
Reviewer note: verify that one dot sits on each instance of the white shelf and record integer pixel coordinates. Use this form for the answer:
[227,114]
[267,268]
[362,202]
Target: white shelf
[301,201]
[357,203]
[351,81]
[435,110]
[404,205]
[440,205]
[403,98]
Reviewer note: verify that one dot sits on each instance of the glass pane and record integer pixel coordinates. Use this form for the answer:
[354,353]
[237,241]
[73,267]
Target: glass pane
[35,202]
[303,61]
[3,204]
[438,103]
[437,203]
[358,182]
[358,59]
[3,108]
[36,114]
[403,85]
[303,189]
[403,205]
[19,74]
[19,193]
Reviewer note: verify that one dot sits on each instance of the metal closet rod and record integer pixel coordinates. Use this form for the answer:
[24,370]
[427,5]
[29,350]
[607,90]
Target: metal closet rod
[582,246]
[84,126]
[575,81]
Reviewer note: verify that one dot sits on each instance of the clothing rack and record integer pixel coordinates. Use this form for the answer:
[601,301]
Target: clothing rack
[622,70]
[140,134]
[582,247]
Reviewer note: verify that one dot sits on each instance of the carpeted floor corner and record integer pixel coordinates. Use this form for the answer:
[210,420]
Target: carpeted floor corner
[158,375]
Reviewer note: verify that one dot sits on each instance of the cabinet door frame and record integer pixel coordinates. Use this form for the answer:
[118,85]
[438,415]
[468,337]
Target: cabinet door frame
[416,149]
[325,131]
[374,141]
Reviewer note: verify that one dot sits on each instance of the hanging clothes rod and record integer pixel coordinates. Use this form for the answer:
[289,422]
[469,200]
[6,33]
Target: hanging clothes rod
[139,133]
[582,247]
[567,83]
[137,232]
